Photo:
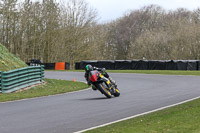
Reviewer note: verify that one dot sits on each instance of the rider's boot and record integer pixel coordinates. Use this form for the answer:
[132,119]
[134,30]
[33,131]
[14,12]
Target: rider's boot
[94,88]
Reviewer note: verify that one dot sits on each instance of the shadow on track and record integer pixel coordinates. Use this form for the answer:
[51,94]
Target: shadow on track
[96,98]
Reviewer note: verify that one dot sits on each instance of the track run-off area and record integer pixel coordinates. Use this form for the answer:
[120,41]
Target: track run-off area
[72,112]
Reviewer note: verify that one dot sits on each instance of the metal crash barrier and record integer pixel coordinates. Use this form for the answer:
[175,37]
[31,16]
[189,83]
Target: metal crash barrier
[14,80]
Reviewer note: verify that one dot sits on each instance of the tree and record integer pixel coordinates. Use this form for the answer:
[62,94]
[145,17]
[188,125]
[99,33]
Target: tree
[9,17]
[78,19]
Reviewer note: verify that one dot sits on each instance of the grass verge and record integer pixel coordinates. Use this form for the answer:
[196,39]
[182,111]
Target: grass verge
[183,118]
[165,72]
[52,87]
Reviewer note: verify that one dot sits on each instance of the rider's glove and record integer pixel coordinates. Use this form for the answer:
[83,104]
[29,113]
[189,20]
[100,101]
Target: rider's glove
[103,70]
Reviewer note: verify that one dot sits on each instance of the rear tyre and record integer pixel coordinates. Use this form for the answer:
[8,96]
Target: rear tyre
[102,88]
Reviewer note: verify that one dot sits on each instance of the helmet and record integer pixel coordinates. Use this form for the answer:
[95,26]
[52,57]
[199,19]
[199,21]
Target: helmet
[88,68]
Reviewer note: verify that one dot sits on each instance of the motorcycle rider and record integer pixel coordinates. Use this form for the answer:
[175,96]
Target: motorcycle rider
[89,68]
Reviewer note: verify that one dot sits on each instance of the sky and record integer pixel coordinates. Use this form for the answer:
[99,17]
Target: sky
[112,9]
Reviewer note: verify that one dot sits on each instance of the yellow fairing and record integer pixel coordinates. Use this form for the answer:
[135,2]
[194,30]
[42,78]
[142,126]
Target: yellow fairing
[100,75]
[117,90]
[108,82]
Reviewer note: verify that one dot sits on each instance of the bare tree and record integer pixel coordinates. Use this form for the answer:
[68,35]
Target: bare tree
[77,22]
[69,32]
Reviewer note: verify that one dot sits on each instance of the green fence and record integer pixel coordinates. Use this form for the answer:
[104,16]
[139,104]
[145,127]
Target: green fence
[20,78]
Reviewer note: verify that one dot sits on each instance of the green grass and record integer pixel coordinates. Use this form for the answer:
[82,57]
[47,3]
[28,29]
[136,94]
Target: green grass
[183,118]
[9,61]
[51,87]
[165,72]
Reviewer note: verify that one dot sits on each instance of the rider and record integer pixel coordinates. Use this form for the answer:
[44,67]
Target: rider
[89,68]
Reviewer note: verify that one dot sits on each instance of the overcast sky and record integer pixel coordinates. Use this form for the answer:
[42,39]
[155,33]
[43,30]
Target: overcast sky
[112,9]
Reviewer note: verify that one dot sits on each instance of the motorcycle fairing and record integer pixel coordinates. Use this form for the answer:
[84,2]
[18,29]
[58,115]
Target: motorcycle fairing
[93,76]
[107,81]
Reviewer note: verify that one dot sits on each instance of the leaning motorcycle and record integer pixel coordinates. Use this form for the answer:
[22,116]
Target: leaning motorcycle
[103,84]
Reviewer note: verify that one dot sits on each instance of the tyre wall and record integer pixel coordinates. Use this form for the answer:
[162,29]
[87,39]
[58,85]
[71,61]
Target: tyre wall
[142,64]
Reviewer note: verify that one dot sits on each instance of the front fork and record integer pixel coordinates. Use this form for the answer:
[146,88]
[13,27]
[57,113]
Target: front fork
[108,83]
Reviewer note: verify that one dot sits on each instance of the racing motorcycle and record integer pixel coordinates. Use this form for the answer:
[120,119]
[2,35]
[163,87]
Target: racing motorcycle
[103,84]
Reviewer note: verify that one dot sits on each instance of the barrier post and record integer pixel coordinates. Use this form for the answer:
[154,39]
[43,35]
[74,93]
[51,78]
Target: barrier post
[41,73]
[2,82]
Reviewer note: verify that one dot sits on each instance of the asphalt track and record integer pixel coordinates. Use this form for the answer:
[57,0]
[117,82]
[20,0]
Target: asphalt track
[72,112]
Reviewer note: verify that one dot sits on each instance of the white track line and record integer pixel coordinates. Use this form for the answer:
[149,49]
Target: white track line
[127,118]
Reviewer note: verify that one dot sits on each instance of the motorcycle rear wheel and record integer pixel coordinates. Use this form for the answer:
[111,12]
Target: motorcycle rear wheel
[104,90]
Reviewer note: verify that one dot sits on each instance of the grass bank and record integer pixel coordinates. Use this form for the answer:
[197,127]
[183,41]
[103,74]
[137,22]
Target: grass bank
[51,87]
[8,61]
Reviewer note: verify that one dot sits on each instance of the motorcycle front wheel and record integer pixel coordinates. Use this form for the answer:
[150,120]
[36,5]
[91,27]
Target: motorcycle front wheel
[103,89]
[117,93]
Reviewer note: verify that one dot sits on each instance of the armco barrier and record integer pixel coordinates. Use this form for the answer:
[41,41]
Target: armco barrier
[21,78]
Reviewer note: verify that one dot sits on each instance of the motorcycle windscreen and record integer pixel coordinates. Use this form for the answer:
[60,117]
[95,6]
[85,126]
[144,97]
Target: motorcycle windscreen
[93,75]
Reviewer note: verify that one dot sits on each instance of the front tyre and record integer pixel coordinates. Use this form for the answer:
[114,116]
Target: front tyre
[103,89]
[117,93]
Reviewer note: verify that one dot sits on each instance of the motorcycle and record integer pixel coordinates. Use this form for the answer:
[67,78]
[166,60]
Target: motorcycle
[103,84]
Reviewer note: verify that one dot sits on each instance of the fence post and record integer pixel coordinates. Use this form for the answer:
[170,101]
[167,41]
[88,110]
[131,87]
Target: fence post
[2,82]
[41,73]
